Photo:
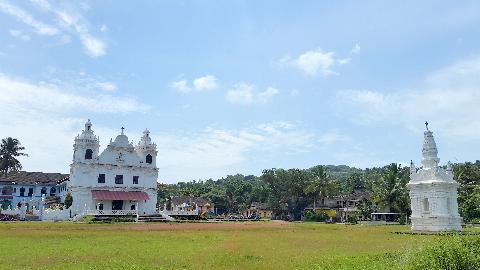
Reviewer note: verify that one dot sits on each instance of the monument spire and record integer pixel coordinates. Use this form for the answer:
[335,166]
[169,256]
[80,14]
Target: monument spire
[429,151]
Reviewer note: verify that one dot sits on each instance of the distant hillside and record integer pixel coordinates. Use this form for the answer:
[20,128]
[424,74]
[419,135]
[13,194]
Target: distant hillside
[342,172]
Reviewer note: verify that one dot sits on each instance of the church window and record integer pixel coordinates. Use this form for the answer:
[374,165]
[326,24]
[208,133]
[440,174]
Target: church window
[100,206]
[43,191]
[101,178]
[135,180]
[88,154]
[53,190]
[22,192]
[132,207]
[148,159]
[30,192]
[119,179]
[426,205]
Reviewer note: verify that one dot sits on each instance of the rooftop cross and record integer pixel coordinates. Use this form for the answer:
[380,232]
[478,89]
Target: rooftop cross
[426,125]
[122,129]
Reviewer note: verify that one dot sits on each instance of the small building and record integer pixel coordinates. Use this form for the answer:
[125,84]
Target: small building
[433,192]
[341,208]
[28,187]
[258,210]
[186,204]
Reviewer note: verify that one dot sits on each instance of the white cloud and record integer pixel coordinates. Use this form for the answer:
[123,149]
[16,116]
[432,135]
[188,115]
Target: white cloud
[207,82]
[94,47]
[333,137]
[19,34]
[107,86]
[449,101]
[70,21]
[200,84]
[104,28]
[48,97]
[317,62]
[247,94]
[215,152]
[181,86]
[23,16]
[356,49]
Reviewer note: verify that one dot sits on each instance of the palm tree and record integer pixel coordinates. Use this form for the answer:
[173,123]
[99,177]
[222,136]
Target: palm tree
[10,149]
[320,184]
[391,191]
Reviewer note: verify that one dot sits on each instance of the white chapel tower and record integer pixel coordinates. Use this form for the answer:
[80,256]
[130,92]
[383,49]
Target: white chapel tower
[433,192]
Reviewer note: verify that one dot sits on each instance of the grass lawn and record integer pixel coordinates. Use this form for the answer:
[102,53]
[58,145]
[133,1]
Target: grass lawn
[269,245]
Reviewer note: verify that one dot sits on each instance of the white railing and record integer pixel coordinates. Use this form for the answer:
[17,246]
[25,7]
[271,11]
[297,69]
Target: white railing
[57,214]
[180,213]
[112,212]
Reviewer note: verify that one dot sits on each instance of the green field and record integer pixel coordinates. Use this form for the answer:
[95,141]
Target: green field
[264,245]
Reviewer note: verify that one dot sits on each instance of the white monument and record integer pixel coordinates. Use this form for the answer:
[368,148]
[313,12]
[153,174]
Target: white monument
[433,192]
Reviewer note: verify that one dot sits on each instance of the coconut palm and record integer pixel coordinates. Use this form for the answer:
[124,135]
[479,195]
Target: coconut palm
[10,149]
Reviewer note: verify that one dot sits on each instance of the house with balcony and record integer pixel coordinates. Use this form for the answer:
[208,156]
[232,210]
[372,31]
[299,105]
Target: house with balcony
[29,187]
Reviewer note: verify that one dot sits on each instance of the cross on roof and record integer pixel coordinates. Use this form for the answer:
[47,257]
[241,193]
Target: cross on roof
[122,129]
[426,124]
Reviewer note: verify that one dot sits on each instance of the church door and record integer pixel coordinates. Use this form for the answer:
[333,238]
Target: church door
[117,205]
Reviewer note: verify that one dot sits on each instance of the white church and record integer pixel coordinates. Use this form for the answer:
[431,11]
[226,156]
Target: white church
[119,181]
[433,192]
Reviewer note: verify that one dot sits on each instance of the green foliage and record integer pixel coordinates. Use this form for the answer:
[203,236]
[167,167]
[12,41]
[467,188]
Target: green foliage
[68,200]
[288,192]
[455,252]
[318,217]
[10,149]
[390,189]
[468,176]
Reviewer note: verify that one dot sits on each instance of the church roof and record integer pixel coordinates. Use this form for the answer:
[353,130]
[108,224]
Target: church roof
[23,177]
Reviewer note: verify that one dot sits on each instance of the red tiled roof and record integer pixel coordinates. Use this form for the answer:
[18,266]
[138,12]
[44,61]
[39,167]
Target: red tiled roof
[119,195]
[22,177]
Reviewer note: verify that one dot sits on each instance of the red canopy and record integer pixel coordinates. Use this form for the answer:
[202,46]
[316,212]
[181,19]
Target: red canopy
[119,195]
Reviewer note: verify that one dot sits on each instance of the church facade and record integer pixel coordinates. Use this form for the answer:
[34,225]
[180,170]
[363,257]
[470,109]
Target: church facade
[122,179]
[433,192]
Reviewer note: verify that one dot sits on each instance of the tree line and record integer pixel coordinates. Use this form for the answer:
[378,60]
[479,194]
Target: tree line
[288,191]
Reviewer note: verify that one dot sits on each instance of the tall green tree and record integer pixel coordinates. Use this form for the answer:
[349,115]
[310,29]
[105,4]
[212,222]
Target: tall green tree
[468,176]
[10,150]
[320,184]
[390,189]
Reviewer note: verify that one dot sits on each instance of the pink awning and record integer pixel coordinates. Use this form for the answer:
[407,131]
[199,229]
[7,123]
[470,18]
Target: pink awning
[119,195]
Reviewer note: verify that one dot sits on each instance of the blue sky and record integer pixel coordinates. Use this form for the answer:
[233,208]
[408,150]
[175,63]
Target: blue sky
[240,86]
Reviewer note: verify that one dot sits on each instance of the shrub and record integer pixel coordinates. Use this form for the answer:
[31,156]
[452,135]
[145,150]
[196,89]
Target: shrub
[68,200]
[453,252]
[319,217]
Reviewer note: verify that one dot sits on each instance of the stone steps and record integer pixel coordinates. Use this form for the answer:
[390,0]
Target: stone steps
[152,218]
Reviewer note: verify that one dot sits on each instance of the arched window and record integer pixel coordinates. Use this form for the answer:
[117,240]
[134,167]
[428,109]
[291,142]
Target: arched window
[44,191]
[88,154]
[53,190]
[148,159]
[426,205]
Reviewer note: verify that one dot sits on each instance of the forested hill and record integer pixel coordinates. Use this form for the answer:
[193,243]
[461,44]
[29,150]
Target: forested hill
[341,172]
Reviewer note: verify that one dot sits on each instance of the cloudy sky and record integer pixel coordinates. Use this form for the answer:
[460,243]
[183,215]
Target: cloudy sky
[240,86]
